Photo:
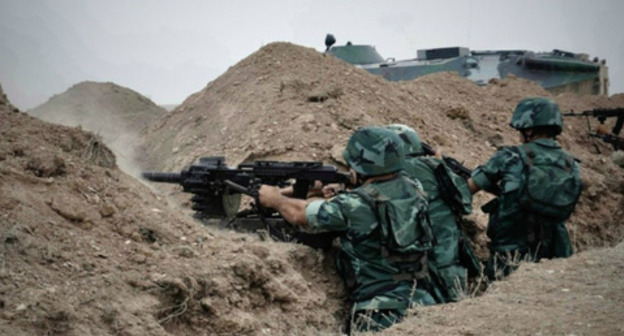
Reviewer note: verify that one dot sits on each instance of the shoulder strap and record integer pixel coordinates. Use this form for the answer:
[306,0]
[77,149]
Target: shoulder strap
[529,154]
[569,162]
[429,163]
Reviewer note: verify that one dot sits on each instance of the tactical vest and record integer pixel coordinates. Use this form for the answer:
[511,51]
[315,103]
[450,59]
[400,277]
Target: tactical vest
[403,231]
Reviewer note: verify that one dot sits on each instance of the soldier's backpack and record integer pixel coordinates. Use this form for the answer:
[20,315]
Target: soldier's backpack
[402,233]
[551,188]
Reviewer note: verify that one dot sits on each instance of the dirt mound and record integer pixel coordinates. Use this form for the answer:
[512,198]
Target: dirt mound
[577,296]
[115,113]
[89,250]
[288,102]
[4,101]
[3,98]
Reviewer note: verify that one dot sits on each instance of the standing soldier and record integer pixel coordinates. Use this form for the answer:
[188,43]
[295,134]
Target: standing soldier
[540,185]
[384,230]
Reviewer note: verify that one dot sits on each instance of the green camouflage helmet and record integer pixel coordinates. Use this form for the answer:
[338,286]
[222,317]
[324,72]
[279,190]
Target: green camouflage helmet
[374,151]
[535,112]
[410,138]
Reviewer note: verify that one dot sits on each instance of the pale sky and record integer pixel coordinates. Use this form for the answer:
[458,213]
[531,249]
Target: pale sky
[168,50]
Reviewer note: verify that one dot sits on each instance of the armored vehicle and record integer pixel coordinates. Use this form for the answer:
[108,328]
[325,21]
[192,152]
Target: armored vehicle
[556,71]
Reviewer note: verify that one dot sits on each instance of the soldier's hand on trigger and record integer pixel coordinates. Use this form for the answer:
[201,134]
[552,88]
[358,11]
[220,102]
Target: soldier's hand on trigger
[332,190]
[315,190]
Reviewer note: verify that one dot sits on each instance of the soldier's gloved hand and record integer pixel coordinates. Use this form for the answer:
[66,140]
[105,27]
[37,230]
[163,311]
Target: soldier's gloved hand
[269,196]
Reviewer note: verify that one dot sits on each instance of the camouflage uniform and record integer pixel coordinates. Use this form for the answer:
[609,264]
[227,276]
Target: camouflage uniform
[381,287]
[448,276]
[509,222]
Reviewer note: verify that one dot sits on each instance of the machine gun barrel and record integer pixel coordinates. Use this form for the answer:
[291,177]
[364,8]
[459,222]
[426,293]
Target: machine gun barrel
[162,177]
[600,113]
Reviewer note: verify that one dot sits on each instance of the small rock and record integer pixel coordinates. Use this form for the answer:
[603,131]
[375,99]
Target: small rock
[618,158]
[458,112]
[185,251]
[107,211]
[68,210]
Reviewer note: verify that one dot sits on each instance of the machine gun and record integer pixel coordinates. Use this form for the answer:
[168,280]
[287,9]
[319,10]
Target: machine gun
[217,190]
[602,114]
[215,185]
